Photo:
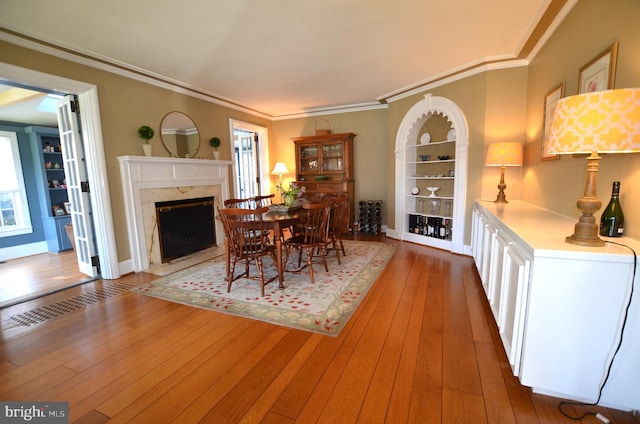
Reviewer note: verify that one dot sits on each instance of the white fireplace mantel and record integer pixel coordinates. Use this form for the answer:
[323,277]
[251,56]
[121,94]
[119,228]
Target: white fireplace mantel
[160,179]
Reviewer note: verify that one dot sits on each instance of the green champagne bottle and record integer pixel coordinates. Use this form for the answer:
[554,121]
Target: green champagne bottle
[612,220]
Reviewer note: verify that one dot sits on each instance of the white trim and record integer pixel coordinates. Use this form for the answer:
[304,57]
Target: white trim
[140,173]
[263,139]
[22,250]
[94,151]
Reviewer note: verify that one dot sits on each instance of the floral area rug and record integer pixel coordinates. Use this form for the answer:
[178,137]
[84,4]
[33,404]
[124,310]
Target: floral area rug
[323,307]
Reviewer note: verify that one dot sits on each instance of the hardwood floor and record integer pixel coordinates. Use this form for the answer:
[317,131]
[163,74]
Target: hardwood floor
[421,348]
[36,275]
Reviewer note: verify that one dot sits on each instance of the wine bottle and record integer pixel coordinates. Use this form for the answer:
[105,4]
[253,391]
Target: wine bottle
[612,220]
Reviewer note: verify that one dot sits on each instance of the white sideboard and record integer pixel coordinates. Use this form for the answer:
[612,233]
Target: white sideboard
[559,307]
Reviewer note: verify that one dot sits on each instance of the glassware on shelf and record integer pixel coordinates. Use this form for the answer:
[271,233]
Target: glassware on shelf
[434,206]
[433,191]
[447,208]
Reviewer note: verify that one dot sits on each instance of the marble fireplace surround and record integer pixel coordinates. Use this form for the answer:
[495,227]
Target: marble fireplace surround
[146,180]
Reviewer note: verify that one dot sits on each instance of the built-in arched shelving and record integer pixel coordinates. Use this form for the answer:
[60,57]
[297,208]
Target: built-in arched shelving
[432,151]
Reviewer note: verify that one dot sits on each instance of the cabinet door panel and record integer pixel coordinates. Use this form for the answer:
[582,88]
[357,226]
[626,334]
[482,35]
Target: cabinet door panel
[496,277]
[515,286]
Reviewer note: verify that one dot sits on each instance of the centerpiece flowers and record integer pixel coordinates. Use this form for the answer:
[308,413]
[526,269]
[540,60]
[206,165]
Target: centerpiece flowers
[289,196]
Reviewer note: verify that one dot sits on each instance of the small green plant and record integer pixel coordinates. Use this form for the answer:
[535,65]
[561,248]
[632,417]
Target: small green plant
[215,142]
[146,133]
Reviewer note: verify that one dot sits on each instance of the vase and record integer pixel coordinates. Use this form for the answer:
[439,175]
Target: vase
[146,148]
[289,199]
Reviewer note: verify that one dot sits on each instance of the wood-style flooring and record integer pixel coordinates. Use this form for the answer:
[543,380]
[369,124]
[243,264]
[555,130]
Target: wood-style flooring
[36,275]
[421,348]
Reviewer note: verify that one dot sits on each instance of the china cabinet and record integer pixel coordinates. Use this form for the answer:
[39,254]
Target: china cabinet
[560,308]
[52,189]
[324,164]
[431,164]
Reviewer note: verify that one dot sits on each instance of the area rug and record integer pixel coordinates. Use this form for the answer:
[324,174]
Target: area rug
[323,307]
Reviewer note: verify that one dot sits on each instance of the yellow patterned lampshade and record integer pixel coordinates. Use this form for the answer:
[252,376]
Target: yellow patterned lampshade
[598,122]
[603,122]
[504,154]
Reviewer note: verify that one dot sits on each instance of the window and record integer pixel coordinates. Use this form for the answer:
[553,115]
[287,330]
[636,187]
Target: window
[14,210]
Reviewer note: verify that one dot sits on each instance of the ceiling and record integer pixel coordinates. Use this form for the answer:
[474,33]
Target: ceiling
[280,58]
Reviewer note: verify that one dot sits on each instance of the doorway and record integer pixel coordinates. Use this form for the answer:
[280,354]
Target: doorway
[250,155]
[95,159]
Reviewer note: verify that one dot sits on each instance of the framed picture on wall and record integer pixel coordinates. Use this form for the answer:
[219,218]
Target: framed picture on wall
[550,100]
[600,73]
[67,208]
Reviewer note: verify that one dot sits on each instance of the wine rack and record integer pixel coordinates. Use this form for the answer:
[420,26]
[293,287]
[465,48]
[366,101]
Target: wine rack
[370,216]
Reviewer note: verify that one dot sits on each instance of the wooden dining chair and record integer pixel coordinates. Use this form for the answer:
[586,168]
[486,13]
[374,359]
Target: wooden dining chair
[312,237]
[244,230]
[262,201]
[238,203]
[338,225]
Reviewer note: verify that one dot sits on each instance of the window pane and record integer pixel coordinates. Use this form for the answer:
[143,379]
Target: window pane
[14,210]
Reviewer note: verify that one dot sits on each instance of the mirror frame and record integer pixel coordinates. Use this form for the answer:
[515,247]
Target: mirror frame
[177,123]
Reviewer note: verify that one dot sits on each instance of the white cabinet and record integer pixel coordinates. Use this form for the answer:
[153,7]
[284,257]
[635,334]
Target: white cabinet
[559,307]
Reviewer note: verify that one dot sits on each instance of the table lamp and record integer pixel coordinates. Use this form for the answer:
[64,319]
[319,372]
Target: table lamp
[503,155]
[599,122]
[280,169]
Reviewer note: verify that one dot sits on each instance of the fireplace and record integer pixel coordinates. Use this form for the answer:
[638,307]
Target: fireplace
[148,180]
[185,226]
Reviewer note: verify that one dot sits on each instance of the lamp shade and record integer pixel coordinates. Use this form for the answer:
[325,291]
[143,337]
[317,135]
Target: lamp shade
[602,121]
[504,154]
[280,169]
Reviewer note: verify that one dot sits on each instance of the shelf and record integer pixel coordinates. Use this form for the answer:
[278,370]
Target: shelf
[433,143]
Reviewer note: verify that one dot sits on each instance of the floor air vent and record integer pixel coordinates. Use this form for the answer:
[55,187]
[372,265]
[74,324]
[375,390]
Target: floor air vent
[47,312]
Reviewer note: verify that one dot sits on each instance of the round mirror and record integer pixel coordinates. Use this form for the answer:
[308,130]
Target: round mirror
[179,135]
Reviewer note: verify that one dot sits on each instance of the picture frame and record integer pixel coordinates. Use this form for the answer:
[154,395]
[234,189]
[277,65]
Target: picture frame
[58,211]
[67,208]
[550,100]
[600,72]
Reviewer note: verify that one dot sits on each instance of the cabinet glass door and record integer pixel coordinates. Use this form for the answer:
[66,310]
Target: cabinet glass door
[309,160]
[332,157]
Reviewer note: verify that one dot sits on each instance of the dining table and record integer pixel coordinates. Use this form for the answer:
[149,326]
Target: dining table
[275,220]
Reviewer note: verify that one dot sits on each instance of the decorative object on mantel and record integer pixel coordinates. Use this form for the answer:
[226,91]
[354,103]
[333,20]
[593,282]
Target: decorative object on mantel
[215,143]
[323,131]
[146,133]
[502,155]
[598,122]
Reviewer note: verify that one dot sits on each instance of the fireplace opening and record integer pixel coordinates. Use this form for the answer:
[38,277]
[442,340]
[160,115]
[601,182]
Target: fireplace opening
[185,226]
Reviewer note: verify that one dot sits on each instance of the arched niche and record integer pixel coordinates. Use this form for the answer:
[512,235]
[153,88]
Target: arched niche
[407,138]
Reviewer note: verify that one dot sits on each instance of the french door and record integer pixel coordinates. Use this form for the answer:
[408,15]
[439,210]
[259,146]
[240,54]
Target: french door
[75,172]
[250,160]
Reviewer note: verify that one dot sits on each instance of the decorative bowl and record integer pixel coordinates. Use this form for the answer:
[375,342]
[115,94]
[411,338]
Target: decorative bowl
[444,157]
[321,177]
[425,158]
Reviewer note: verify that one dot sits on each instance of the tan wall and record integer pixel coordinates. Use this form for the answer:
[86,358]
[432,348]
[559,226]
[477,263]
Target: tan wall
[502,105]
[370,148]
[126,104]
[493,104]
[591,27]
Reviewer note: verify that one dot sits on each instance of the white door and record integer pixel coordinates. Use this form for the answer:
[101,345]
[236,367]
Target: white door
[75,173]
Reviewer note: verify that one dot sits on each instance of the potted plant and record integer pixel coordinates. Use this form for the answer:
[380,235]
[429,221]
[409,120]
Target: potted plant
[146,133]
[215,143]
